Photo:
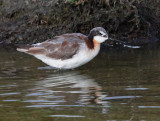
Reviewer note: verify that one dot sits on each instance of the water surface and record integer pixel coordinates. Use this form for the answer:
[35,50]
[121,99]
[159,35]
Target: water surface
[116,85]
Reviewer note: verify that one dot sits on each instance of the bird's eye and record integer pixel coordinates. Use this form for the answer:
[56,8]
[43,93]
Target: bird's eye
[102,34]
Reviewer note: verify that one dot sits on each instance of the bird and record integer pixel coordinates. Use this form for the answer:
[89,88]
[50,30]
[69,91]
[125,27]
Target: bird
[68,51]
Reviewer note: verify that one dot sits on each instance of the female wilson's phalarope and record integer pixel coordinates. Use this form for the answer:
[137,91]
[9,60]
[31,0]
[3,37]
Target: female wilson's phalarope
[68,51]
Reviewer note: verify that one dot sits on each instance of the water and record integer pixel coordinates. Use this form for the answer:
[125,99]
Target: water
[116,85]
[113,42]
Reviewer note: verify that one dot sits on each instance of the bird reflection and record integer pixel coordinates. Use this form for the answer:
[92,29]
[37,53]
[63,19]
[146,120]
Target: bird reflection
[67,88]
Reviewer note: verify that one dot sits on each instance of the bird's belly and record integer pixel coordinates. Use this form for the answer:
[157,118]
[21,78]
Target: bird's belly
[82,57]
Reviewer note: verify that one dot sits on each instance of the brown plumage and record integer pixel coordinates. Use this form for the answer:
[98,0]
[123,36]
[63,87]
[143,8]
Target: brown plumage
[60,47]
[68,50]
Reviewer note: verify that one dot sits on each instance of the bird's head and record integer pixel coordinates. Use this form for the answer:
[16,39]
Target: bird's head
[98,34]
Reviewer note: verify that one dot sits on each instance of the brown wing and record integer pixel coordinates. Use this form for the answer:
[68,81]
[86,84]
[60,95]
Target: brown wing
[61,47]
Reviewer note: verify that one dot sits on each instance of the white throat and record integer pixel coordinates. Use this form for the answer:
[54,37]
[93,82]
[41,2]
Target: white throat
[100,39]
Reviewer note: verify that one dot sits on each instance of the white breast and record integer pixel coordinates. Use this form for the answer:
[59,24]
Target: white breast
[83,56]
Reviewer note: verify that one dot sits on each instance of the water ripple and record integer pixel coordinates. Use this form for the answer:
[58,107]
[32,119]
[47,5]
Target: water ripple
[136,88]
[67,116]
[10,93]
[40,106]
[11,100]
[44,101]
[148,106]
[121,97]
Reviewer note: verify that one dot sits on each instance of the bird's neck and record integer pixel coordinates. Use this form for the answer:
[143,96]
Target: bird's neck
[90,37]
[96,44]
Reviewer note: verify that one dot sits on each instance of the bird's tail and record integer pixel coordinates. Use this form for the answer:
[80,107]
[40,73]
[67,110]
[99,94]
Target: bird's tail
[23,48]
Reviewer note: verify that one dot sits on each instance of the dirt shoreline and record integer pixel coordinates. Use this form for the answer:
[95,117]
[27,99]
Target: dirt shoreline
[29,21]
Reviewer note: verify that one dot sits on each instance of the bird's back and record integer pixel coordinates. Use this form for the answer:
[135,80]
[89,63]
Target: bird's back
[60,47]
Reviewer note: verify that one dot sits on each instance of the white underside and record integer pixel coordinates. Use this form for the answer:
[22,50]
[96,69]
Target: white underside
[83,56]
[100,39]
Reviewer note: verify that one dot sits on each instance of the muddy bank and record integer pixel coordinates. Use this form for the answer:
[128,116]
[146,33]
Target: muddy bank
[30,21]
